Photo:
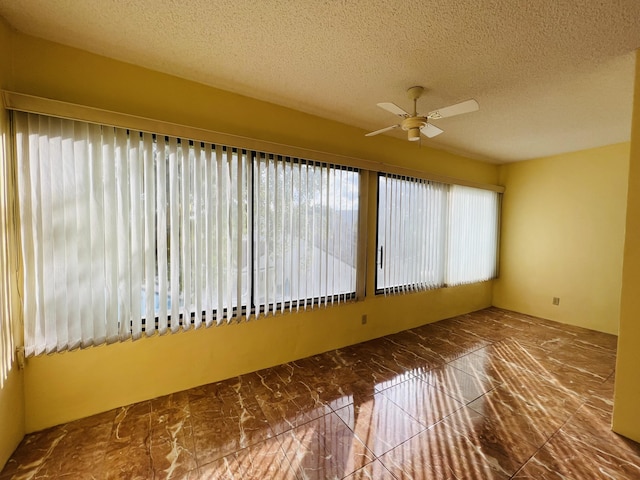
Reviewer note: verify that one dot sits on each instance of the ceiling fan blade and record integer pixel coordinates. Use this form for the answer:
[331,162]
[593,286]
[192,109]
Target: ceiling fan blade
[382,130]
[457,109]
[393,108]
[430,130]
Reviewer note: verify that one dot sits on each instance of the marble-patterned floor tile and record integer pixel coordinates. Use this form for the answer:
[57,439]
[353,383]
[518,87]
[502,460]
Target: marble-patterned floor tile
[224,424]
[565,459]
[328,381]
[484,365]
[592,426]
[575,382]
[172,447]
[602,396]
[324,449]
[440,453]
[372,471]
[406,359]
[80,450]
[587,360]
[131,462]
[192,475]
[288,413]
[531,358]
[445,344]
[476,326]
[597,340]
[225,468]
[418,346]
[379,423]
[458,384]
[376,365]
[523,413]
[544,393]
[265,460]
[72,449]
[273,384]
[358,378]
[494,441]
[128,450]
[361,389]
[423,402]
[549,337]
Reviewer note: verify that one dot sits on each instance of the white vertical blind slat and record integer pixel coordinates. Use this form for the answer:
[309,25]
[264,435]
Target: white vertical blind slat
[308,240]
[249,219]
[198,233]
[326,223]
[280,215]
[230,234]
[313,277]
[290,235]
[125,220]
[111,250]
[60,149]
[258,247]
[175,266]
[94,332]
[186,245]
[149,233]
[161,234]
[67,285]
[300,229]
[269,239]
[28,188]
[214,235]
[338,272]
[239,232]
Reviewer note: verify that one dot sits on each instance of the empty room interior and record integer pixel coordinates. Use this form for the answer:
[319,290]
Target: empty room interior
[352,277]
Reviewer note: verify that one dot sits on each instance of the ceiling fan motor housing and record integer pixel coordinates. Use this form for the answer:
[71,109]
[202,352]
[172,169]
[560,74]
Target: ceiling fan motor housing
[413,125]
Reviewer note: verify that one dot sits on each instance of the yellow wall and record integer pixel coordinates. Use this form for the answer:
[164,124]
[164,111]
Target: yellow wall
[563,222]
[626,418]
[66,386]
[12,425]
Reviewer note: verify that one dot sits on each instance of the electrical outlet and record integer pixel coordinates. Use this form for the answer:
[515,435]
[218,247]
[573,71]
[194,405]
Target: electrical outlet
[556,300]
[364,319]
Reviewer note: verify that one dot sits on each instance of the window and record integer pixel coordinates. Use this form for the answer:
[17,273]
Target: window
[125,233]
[411,233]
[432,234]
[306,217]
[472,235]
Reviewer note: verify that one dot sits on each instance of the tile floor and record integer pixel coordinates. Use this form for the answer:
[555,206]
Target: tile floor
[488,395]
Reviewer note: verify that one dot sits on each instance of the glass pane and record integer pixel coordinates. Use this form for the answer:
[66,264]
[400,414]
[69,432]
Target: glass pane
[306,218]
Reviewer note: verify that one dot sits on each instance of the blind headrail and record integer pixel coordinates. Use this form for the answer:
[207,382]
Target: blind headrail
[56,108]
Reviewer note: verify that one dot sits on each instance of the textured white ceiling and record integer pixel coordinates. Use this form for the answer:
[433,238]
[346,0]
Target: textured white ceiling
[551,76]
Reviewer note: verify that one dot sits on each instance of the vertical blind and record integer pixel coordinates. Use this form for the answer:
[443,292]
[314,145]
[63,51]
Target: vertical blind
[411,225]
[472,240]
[306,233]
[125,233]
[432,234]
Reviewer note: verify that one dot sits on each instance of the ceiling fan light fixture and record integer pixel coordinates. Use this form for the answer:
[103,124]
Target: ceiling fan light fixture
[414,134]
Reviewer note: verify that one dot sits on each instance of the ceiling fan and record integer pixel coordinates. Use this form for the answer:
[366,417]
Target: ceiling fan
[415,124]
